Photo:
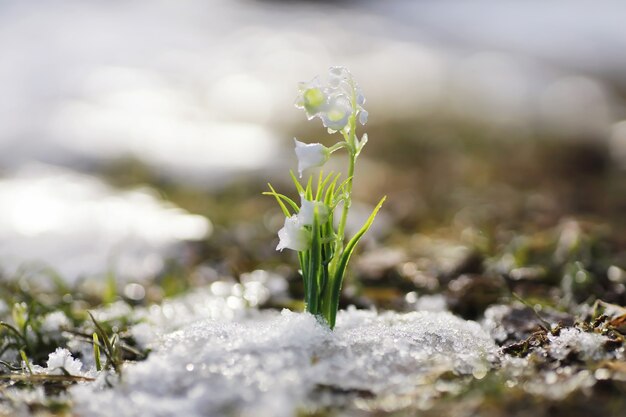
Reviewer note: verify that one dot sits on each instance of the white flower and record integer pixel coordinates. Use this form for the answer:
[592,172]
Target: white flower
[293,236]
[334,101]
[62,359]
[312,98]
[338,113]
[305,216]
[310,155]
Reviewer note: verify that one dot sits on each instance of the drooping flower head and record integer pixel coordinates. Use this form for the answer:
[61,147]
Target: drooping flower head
[310,155]
[293,235]
[312,98]
[334,101]
[307,212]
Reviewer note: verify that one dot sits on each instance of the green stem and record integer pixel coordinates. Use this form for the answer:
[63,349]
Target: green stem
[350,141]
[346,205]
[333,288]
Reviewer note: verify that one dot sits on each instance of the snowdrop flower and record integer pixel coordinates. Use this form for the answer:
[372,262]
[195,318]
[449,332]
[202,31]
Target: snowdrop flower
[306,214]
[310,155]
[293,236]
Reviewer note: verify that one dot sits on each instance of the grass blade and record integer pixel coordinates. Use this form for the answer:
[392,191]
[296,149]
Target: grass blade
[337,275]
[279,198]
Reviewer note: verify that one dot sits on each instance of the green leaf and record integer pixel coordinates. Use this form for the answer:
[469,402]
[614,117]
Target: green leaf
[319,185]
[344,183]
[296,183]
[322,185]
[96,352]
[315,264]
[330,192]
[26,361]
[309,189]
[280,198]
[345,256]
[337,278]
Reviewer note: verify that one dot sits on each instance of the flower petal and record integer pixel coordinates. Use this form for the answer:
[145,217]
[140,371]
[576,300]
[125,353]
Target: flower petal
[363,116]
[293,236]
[310,155]
[337,115]
[307,212]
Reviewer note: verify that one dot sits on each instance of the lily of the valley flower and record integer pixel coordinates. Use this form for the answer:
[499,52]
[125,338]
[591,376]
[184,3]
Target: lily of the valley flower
[307,212]
[310,155]
[337,115]
[323,248]
[334,101]
[293,235]
[312,98]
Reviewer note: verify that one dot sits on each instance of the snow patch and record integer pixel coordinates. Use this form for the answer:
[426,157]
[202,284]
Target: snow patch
[587,345]
[80,226]
[272,364]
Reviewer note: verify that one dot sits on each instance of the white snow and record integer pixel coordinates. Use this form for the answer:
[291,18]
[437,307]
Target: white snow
[492,321]
[80,226]
[587,345]
[54,322]
[61,360]
[434,303]
[271,364]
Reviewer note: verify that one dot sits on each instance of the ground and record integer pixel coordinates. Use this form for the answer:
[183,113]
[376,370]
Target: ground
[493,284]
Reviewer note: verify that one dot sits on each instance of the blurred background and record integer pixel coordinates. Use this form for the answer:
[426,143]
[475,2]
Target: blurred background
[136,137]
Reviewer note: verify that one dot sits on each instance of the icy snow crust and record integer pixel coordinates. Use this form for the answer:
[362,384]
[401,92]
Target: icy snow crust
[272,364]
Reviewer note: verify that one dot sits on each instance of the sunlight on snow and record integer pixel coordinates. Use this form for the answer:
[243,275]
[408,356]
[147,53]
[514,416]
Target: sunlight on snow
[80,226]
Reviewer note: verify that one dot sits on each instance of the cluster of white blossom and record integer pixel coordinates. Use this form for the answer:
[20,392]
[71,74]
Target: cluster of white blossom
[338,102]
[335,102]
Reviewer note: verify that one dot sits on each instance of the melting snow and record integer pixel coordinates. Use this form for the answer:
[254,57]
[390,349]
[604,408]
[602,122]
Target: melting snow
[78,225]
[589,346]
[271,364]
[61,360]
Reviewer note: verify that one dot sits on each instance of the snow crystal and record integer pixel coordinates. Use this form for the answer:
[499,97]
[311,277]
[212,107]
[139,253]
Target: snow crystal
[558,383]
[271,364]
[492,321]
[19,402]
[61,359]
[587,345]
[222,300]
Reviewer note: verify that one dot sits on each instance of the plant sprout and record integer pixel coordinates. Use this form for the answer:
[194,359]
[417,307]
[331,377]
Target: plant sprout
[310,228]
